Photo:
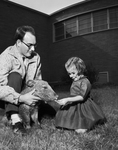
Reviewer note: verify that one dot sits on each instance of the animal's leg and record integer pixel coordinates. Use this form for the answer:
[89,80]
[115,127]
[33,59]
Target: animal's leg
[34,116]
[24,111]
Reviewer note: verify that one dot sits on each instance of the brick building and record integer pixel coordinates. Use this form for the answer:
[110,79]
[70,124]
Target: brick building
[88,29]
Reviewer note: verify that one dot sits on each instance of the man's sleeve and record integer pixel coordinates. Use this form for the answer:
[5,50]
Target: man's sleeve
[38,72]
[7,93]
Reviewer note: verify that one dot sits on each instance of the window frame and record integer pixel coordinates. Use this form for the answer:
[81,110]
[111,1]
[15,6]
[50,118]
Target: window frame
[72,27]
[116,21]
[100,22]
[92,25]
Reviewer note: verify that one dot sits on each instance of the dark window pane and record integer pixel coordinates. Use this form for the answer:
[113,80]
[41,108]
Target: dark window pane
[71,28]
[59,31]
[61,37]
[84,24]
[113,17]
[100,20]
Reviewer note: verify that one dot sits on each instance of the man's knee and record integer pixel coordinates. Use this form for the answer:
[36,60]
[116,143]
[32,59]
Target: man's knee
[15,81]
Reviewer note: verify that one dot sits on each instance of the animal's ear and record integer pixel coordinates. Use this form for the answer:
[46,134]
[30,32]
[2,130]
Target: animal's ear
[30,83]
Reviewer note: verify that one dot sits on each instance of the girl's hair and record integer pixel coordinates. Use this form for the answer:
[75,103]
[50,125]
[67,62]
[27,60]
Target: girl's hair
[21,31]
[77,62]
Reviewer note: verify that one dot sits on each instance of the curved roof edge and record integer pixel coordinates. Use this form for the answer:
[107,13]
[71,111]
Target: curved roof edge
[79,3]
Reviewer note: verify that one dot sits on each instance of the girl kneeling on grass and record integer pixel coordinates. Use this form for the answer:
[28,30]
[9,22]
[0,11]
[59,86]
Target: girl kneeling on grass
[79,111]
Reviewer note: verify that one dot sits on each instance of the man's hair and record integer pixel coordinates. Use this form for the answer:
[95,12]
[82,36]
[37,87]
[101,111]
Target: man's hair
[21,31]
[78,62]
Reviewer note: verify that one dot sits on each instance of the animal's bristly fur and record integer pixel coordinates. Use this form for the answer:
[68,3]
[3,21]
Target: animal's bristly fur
[44,91]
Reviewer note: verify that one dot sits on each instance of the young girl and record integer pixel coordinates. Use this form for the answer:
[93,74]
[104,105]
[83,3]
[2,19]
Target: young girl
[79,111]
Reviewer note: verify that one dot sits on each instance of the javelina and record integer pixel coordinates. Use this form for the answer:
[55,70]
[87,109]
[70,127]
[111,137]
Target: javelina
[44,91]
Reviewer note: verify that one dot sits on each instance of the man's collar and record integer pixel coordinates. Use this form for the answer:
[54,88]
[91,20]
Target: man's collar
[15,52]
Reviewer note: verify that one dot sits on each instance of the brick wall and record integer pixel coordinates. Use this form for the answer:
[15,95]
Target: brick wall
[12,16]
[100,49]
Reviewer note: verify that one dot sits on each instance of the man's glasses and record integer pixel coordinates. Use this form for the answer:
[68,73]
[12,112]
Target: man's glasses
[29,45]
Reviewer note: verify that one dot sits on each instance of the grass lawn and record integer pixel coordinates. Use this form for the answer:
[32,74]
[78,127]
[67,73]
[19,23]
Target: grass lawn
[47,137]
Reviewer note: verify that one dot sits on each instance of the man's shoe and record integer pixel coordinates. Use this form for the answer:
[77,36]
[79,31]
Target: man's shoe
[19,128]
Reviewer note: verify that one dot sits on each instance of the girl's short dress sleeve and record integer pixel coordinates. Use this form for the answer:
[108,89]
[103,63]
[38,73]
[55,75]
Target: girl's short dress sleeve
[78,88]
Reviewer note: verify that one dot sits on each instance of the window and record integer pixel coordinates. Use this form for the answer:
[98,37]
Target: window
[71,27]
[84,24]
[59,31]
[103,77]
[100,20]
[113,17]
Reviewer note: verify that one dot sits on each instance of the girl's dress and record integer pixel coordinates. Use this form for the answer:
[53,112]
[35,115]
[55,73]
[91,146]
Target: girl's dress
[80,114]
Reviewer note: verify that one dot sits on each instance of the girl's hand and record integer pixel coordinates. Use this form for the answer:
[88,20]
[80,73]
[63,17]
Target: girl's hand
[62,101]
[29,98]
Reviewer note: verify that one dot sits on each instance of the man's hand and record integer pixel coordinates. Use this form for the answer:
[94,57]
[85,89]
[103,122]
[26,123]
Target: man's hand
[29,98]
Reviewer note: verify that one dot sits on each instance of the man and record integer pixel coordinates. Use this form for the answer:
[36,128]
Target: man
[18,64]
